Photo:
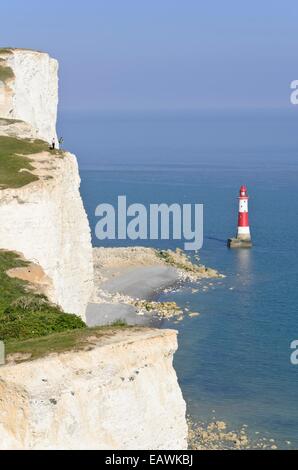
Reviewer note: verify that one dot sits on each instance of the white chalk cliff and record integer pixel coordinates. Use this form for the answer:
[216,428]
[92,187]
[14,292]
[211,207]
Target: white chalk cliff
[45,220]
[30,92]
[121,392]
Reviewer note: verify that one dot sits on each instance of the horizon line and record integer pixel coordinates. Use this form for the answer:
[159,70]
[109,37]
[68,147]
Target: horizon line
[176,110]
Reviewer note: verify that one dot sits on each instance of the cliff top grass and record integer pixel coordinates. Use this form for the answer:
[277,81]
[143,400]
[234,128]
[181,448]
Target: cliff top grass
[11,50]
[13,160]
[23,313]
[6,50]
[74,340]
[8,122]
[10,288]
[6,73]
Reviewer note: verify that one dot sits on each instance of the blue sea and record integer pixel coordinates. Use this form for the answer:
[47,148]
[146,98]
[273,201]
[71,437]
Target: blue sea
[233,361]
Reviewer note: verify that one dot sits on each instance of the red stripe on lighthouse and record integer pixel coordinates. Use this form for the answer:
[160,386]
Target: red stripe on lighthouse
[243,219]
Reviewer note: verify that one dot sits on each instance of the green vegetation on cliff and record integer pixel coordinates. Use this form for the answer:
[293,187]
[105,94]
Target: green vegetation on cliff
[10,50]
[74,340]
[13,161]
[6,73]
[39,318]
[24,314]
[8,122]
[10,288]
[30,323]
[5,50]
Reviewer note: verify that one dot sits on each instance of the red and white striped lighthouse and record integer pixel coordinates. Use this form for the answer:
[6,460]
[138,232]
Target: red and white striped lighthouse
[243,232]
[243,238]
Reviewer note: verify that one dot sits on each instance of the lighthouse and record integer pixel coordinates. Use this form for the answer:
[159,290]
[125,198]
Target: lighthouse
[243,238]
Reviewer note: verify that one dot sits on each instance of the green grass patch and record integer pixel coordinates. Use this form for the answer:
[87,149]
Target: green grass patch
[10,288]
[5,50]
[6,73]
[38,318]
[60,342]
[119,322]
[24,314]
[12,160]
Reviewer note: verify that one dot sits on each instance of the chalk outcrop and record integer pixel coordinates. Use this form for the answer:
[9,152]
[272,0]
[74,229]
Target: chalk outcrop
[121,392]
[19,129]
[29,90]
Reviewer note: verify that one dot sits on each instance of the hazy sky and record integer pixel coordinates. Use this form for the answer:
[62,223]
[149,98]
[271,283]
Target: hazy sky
[162,54]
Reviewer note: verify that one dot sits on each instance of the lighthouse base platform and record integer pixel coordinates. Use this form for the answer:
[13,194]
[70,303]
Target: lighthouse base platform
[239,243]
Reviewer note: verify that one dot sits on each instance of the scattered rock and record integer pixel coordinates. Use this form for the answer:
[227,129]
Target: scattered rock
[221,425]
[216,436]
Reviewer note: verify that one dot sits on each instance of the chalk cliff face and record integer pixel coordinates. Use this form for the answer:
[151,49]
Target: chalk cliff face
[121,394]
[29,91]
[47,223]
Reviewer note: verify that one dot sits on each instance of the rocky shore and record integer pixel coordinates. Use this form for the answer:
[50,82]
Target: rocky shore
[217,435]
[128,279]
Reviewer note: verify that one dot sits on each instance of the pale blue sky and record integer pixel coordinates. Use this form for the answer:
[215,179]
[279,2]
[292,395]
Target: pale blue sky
[162,54]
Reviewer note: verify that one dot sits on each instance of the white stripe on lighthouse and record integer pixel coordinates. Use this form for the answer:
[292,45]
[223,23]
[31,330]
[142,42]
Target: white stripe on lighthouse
[243,205]
[243,230]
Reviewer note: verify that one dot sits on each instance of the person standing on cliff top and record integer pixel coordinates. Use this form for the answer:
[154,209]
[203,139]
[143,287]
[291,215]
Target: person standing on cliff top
[53,143]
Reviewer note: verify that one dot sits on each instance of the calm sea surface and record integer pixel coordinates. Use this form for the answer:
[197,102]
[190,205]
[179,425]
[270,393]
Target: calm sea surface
[233,360]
